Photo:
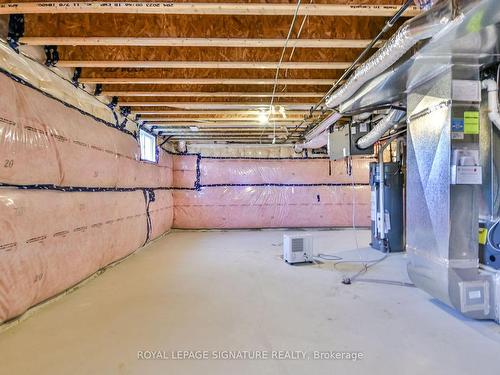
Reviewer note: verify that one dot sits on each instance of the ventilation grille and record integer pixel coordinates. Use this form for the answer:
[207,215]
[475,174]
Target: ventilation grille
[297,245]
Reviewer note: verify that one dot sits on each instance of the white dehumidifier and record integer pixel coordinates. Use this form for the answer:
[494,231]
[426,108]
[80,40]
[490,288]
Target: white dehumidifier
[297,248]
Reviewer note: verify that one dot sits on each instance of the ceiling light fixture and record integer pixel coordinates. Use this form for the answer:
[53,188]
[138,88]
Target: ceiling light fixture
[281,110]
[263,117]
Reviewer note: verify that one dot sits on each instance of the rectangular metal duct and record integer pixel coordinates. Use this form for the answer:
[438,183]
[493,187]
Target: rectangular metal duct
[442,221]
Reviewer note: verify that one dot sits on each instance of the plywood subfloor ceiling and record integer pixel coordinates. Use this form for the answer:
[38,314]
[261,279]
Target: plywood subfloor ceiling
[204,71]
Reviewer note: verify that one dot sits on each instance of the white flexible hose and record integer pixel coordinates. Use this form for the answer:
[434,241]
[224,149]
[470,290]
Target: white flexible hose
[417,29]
[392,118]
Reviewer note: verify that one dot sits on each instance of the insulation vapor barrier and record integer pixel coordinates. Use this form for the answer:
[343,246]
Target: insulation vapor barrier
[51,240]
[75,196]
[43,141]
[269,193]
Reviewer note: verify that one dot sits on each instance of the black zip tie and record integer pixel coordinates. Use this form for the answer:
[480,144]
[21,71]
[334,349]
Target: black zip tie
[76,76]
[98,89]
[16,31]
[51,55]
[48,95]
[113,103]
[124,111]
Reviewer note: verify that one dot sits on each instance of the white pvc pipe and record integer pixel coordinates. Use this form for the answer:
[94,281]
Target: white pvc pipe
[492,87]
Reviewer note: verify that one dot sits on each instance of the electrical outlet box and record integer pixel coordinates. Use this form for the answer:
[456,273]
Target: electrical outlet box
[342,141]
[339,143]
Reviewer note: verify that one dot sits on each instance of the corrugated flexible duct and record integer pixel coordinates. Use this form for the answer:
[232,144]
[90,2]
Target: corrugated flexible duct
[318,137]
[393,117]
[416,29]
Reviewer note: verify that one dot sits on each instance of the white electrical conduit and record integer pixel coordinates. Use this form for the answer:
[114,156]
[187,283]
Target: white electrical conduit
[492,87]
[418,28]
[393,117]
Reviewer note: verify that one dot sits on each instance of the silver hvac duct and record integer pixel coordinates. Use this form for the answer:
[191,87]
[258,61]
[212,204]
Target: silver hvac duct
[443,194]
[414,30]
[323,125]
[393,117]
[317,142]
[318,137]
[443,210]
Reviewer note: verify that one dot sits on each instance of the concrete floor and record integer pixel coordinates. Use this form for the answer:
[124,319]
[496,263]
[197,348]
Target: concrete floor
[219,291]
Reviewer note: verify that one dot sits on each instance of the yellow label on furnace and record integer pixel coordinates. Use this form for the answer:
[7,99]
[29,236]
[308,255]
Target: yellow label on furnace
[471,122]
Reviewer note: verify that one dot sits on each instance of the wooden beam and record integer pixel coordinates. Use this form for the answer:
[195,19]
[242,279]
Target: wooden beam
[203,64]
[218,120]
[127,7]
[206,94]
[227,131]
[221,125]
[254,139]
[194,42]
[195,134]
[175,103]
[214,105]
[205,81]
[221,134]
[215,121]
[211,112]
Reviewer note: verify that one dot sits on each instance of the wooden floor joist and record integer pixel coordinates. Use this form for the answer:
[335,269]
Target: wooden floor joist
[128,7]
[203,64]
[227,50]
[207,94]
[217,124]
[170,103]
[215,113]
[205,81]
[194,42]
[231,138]
[211,121]
[218,121]
[208,105]
[200,132]
[221,127]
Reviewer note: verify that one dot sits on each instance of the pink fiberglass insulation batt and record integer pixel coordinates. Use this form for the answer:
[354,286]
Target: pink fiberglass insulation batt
[51,240]
[272,207]
[184,171]
[43,141]
[284,171]
[295,193]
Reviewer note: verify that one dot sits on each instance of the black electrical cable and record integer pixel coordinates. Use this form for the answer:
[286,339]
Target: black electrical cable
[387,282]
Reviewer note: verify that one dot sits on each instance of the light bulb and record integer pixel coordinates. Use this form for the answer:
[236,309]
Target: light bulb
[282,111]
[263,117]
